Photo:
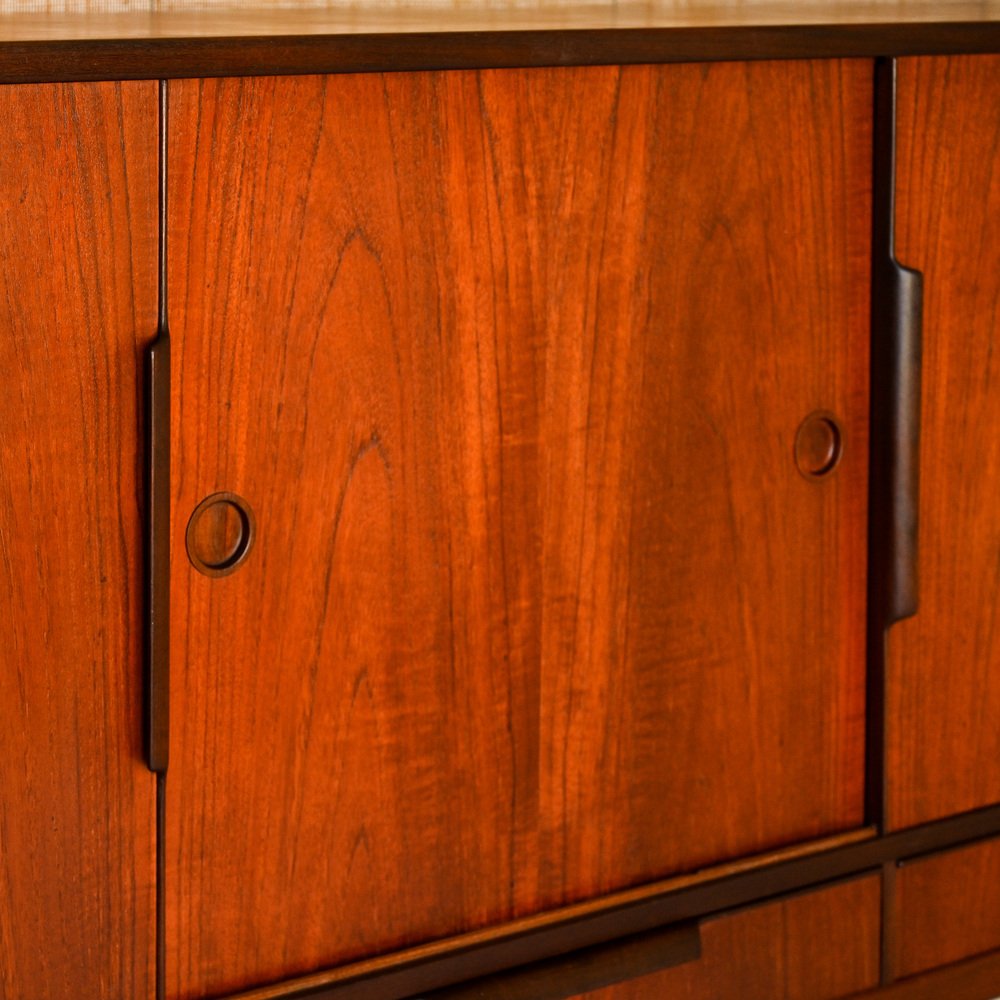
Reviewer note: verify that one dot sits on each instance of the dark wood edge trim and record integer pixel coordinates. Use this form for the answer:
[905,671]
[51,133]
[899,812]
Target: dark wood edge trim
[971,979]
[417,970]
[155,58]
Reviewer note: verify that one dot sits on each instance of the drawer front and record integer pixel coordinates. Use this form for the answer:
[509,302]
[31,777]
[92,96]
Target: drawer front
[947,907]
[544,601]
[813,946]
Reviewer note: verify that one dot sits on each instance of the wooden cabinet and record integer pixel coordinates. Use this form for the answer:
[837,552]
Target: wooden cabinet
[77,299]
[524,523]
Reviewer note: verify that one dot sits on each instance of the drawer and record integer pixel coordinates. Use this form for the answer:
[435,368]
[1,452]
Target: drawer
[807,946]
[947,907]
[810,946]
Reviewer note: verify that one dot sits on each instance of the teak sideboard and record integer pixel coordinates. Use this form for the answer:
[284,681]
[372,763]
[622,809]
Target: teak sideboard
[505,506]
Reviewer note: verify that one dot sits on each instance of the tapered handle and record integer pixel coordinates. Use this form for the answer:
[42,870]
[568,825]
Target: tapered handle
[896,347]
[157,638]
[896,440]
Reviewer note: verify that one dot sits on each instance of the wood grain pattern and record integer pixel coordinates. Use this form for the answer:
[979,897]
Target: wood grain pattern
[943,683]
[77,296]
[509,366]
[947,907]
[815,946]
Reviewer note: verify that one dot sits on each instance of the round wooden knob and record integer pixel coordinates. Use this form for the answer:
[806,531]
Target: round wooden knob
[219,534]
[818,445]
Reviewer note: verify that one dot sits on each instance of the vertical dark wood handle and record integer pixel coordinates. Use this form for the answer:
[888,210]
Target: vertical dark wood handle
[157,637]
[898,436]
[897,294]
[588,969]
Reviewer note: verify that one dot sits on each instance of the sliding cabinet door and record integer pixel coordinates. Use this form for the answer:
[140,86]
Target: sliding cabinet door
[520,471]
[944,667]
[78,256]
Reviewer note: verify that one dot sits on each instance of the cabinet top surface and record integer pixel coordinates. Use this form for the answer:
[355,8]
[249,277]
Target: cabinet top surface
[78,20]
[124,39]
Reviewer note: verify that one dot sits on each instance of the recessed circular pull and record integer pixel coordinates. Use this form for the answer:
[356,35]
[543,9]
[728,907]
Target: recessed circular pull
[220,534]
[818,445]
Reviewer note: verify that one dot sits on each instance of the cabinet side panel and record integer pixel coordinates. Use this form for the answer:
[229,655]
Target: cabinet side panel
[78,258]
[944,665]
[509,366]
